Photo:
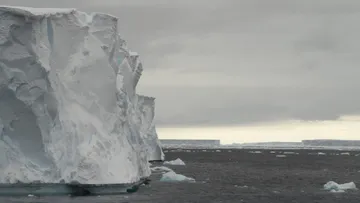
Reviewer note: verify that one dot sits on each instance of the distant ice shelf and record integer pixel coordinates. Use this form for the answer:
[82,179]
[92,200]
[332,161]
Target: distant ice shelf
[68,104]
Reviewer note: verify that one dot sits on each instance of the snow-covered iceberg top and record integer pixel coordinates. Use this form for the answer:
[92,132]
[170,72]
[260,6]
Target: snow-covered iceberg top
[68,104]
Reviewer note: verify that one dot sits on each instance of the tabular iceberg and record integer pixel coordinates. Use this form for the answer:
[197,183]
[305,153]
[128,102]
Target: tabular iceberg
[68,104]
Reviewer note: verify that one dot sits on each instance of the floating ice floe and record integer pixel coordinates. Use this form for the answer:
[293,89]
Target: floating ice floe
[174,177]
[289,152]
[161,169]
[335,187]
[178,162]
[255,152]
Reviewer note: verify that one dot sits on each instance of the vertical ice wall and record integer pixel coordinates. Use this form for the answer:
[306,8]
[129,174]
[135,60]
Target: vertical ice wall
[68,103]
[146,107]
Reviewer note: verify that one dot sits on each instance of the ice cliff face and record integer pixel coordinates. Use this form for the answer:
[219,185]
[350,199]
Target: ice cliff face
[146,107]
[68,104]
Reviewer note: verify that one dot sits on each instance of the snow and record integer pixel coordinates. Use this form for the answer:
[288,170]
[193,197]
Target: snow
[335,187]
[174,177]
[178,162]
[69,109]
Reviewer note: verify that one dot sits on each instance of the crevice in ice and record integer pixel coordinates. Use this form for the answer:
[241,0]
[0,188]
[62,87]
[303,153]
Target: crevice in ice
[20,126]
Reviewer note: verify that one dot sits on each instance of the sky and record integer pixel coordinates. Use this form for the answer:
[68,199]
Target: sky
[236,70]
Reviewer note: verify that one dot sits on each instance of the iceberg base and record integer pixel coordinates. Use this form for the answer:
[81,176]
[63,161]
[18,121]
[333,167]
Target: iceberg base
[64,189]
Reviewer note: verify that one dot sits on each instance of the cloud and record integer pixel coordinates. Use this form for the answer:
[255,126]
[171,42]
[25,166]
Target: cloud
[238,62]
[209,106]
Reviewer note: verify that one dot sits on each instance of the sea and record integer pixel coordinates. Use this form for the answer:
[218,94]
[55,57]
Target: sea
[241,176]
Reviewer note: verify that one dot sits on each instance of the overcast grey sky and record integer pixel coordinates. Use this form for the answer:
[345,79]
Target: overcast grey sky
[239,62]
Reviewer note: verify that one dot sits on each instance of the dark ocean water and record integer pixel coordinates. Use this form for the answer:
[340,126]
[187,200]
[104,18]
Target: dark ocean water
[240,176]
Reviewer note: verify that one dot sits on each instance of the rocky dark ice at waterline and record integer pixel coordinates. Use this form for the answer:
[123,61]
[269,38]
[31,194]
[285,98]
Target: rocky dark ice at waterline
[233,175]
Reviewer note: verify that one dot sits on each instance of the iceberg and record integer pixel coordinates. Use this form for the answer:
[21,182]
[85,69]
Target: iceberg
[335,187]
[146,107]
[174,177]
[68,104]
[177,161]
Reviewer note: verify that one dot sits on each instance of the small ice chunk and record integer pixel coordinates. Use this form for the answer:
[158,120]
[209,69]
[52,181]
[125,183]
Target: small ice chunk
[280,156]
[178,162]
[161,169]
[289,152]
[255,152]
[272,152]
[245,186]
[30,195]
[321,153]
[218,151]
[337,191]
[334,187]
[345,153]
[174,177]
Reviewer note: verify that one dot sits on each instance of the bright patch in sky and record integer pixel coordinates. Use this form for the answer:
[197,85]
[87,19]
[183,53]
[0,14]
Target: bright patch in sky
[346,128]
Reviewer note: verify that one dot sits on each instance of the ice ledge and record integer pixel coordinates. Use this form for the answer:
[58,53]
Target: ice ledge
[28,11]
[47,12]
